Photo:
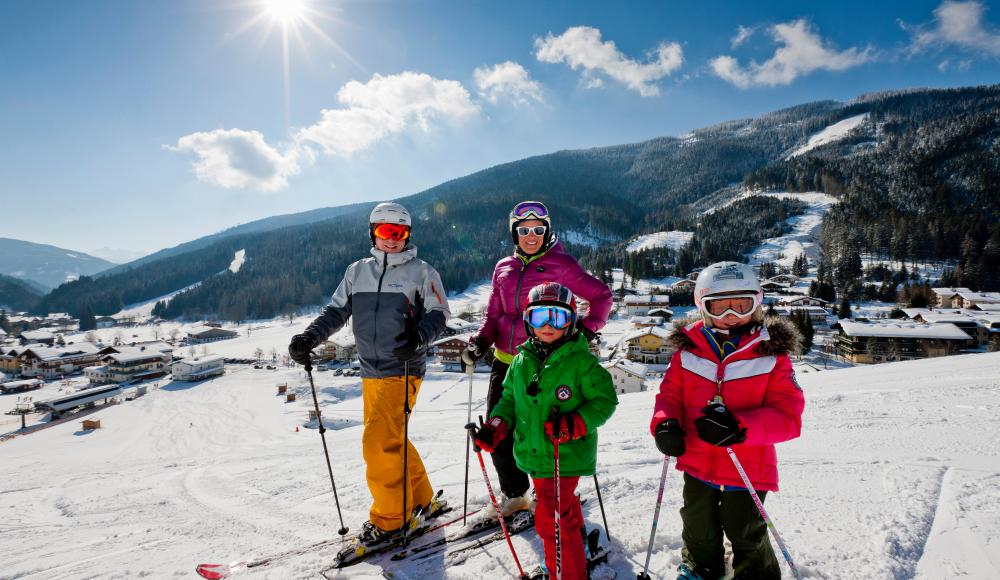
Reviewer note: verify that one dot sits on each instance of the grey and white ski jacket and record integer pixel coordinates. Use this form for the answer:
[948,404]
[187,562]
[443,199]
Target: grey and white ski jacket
[385,295]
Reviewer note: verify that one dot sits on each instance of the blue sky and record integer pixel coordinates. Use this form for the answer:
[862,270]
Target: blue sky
[140,125]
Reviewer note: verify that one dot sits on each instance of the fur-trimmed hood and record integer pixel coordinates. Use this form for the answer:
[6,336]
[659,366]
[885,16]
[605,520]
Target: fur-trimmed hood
[783,337]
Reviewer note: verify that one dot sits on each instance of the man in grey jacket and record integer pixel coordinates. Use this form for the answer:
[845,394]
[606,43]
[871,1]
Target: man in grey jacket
[399,307]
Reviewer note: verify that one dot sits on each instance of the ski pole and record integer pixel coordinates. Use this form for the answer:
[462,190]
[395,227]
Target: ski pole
[406,442]
[656,519]
[555,481]
[471,428]
[763,513]
[322,433]
[465,497]
[600,502]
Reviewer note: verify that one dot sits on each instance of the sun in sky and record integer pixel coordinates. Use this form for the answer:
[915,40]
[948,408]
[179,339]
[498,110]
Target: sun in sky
[293,19]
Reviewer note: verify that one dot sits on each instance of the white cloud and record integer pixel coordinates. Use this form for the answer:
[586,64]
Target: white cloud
[743,33]
[958,24]
[581,48]
[507,80]
[385,105]
[802,51]
[234,158]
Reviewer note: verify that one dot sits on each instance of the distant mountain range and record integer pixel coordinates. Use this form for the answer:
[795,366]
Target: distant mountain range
[46,265]
[915,172]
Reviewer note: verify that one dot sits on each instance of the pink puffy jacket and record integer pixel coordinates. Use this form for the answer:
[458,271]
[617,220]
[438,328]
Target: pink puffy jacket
[757,384]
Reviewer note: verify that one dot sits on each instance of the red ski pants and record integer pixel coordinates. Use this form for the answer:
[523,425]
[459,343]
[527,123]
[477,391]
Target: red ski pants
[574,560]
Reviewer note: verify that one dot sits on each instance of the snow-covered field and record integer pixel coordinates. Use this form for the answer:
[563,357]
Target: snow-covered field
[896,475]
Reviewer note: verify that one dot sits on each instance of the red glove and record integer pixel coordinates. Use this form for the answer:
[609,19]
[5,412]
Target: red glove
[563,428]
[491,434]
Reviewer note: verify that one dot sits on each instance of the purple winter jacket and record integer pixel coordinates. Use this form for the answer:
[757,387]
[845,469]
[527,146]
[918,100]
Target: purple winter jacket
[513,278]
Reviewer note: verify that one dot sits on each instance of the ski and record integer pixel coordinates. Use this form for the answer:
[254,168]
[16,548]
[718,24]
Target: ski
[218,571]
[516,520]
[356,553]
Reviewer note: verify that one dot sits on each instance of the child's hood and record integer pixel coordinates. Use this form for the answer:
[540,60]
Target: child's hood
[783,338]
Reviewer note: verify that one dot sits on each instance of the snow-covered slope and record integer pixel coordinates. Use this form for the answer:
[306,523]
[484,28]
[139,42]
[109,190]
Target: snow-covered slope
[804,235]
[674,240]
[834,132]
[896,475]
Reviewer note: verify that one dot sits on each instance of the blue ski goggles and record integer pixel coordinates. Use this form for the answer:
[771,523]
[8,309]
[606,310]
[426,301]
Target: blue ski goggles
[555,316]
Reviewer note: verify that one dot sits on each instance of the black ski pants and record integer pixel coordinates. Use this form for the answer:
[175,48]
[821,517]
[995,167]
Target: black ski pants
[709,512]
[513,481]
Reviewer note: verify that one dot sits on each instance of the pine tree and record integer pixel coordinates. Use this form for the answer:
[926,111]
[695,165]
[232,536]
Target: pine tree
[845,309]
[87,320]
[801,320]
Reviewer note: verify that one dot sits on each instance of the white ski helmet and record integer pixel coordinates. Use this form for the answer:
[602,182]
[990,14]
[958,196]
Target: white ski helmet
[725,277]
[390,213]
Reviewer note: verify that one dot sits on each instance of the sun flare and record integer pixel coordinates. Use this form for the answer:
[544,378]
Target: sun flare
[285,11]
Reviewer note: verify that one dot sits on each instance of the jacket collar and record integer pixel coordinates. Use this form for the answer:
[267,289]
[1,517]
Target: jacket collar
[775,336]
[408,253]
[554,247]
[532,350]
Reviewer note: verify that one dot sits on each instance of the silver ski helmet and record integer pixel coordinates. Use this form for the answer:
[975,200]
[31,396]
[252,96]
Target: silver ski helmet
[727,278]
[388,212]
[530,210]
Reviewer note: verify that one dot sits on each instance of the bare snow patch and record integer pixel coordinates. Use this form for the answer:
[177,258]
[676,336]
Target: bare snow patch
[674,240]
[804,236]
[238,260]
[834,132]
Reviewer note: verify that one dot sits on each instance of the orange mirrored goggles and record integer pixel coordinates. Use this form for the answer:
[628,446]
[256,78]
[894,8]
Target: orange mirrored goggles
[395,232]
[739,304]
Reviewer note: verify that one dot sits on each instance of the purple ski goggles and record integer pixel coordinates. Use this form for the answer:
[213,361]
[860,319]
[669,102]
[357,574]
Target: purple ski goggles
[529,209]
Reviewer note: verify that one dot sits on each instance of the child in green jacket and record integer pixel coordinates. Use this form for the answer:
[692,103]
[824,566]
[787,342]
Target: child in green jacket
[555,390]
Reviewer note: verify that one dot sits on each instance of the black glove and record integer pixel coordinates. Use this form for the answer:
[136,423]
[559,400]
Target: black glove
[411,343]
[590,335]
[670,438]
[718,426]
[301,347]
[474,351]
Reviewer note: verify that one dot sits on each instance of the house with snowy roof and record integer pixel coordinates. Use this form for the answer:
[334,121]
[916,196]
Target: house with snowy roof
[973,300]
[54,362]
[641,304]
[38,337]
[198,368]
[801,300]
[646,345]
[875,342]
[203,333]
[627,376]
[949,297]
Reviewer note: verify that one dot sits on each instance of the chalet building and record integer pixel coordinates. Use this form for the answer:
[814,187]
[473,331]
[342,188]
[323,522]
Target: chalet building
[978,325]
[646,321]
[456,326]
[40,336]
[133,364]
[449,349]
[199,368]
[817,314]
[340,347]
[875,342]
[775,287]
[106,322]
[949,297]
[203,334]
[641,304]
[9,362]
[627,376]
[98,375]
[665,313]
[801,300]
[974,300]
[54,362]
[647,346]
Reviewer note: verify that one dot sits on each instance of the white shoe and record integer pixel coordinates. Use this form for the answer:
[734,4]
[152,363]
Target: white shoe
[509,506]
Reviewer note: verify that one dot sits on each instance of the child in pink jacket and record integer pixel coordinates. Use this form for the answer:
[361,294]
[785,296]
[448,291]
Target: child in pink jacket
[730,384]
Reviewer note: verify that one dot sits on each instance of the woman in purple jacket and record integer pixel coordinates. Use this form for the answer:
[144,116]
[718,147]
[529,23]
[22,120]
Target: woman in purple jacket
[538,257]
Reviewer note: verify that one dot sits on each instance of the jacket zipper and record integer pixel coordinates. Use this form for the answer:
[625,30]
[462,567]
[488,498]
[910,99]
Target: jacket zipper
[378,298]
[517,303]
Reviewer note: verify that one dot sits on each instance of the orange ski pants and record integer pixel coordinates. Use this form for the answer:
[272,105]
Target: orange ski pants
[382,447]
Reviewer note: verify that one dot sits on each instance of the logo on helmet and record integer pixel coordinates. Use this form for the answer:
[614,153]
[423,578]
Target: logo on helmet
[730,272]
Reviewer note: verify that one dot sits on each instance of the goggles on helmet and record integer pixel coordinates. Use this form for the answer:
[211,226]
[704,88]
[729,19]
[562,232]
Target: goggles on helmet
[555,316]
[528,210]
[395,232]
[525,230]
[721,306]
